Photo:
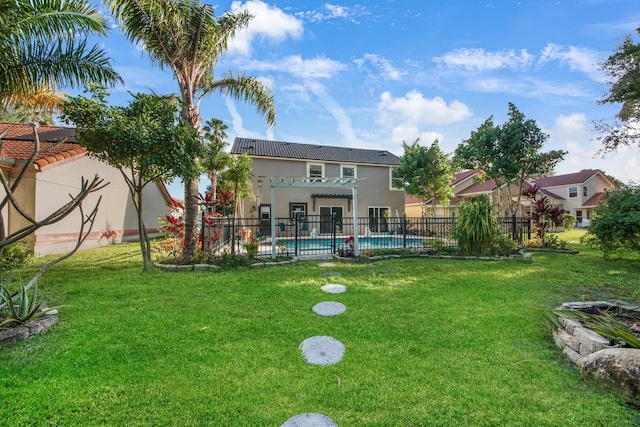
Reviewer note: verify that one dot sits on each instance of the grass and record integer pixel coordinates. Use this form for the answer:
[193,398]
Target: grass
[429,342]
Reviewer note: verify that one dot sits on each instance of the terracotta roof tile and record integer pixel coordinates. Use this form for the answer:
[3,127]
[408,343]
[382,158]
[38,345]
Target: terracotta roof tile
[17,144]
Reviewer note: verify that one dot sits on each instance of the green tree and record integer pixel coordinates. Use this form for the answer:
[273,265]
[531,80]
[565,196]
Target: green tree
[616,223]
[145,140]
[426,173]
[623,71]
[509,153]
[43,45]
[215,158]
[186,37]
[239,178]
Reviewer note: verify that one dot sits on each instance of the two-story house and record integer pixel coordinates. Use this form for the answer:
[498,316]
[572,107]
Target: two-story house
[317,180]
[577,193]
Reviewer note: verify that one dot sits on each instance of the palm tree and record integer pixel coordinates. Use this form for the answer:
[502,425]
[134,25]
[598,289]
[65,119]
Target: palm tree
[216,158]
[37,106]
[186,37]
[43,46]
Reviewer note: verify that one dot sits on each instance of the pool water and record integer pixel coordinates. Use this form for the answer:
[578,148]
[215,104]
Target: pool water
[363,243]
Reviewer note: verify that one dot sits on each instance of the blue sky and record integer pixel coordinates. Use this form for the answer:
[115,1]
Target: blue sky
[374,73]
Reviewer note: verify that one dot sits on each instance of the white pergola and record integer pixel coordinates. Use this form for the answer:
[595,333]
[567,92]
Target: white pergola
[312,182]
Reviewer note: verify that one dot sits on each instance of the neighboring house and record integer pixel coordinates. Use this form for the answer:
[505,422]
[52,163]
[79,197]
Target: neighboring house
[460,181]
[578,193]
[55,175]
[312,169]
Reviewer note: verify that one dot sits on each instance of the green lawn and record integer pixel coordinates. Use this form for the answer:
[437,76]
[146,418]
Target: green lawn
[429,342]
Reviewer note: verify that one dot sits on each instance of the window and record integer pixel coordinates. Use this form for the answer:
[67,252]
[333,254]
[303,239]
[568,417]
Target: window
[315,170]
[378,219]
[585,191]
[395,182]
[297,209]
[579,217]
[589,214]
[348,171]
[573,192]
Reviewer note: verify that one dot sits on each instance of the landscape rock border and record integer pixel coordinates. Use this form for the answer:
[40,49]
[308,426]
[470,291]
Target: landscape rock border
[29,329]
[213,267]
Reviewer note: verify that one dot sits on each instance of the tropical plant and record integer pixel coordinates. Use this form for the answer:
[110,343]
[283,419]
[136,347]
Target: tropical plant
[24,308]
[238,176]
[252,248]
[569,221]
[215,158]
[477,226]
[15,255]
[43,46]
[186,37]
[543,213]
[145,141]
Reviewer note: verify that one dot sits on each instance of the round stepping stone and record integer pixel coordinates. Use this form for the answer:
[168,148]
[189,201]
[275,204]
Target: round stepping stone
[332,288]
[322,350]
[327,264]
[309,420]
[332,274]
[329,308]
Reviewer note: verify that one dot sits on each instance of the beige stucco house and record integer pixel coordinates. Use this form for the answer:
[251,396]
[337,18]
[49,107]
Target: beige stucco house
[316,180]
[577,193]
[55,175]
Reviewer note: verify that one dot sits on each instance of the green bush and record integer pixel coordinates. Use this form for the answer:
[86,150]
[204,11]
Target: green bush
[616,224]
[503,246]
[569,222]
[15,256]
[477,227]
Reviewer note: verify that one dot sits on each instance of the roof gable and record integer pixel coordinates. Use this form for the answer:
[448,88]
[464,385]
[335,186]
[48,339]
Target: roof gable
[18,143]
[567,179]
[323,153]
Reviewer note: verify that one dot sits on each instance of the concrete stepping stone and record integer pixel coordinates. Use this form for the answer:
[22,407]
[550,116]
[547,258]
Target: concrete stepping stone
[327,264]
[329,308]
[322,350]
[332,288]
[309,419]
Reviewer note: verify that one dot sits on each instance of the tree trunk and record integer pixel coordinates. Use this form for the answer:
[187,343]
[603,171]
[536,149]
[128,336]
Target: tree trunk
[190,219]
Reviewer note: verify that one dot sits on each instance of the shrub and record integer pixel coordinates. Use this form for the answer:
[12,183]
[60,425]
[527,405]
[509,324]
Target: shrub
[23,309]
[502,246]
[477,227]
[569,222]
[15,255]
[616,224]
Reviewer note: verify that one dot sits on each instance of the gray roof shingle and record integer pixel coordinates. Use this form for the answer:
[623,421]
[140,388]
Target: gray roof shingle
[324,153]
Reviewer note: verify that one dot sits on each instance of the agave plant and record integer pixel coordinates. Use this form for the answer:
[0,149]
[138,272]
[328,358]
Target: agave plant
[25,307]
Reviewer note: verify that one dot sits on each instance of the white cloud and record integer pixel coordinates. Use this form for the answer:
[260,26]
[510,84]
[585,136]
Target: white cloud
[409,133]
[305,68]
[269,22]
[579,59]
[415,109]
[383,66]
[571,133]
[330,11]
[481,60]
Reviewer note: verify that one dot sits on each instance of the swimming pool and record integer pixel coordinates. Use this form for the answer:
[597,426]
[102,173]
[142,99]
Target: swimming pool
[305,244]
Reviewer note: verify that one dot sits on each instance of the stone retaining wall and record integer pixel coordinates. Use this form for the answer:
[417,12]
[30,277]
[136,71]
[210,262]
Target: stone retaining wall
[29,329]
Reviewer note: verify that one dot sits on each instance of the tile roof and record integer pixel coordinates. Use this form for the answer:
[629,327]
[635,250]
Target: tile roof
[457,177]
[18,143]
[550,194]
[479,187]
[594,201]
[325,153]
[567,179]
[461,176]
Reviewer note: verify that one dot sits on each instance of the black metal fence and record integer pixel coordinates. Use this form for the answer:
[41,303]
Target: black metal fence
[326,234]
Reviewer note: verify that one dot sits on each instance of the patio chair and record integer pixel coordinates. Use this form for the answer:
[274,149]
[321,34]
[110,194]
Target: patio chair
[304,228]
[283,228]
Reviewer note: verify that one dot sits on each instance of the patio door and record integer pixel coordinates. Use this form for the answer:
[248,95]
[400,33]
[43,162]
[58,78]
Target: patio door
[265,220]
[326,215]
[378,219]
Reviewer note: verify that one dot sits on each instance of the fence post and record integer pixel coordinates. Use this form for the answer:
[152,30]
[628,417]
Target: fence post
[334,224]
[295,233]
[404,229]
